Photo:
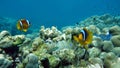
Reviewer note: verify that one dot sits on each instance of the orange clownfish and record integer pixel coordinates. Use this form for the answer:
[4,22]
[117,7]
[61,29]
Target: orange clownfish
[84,37]
[23,25]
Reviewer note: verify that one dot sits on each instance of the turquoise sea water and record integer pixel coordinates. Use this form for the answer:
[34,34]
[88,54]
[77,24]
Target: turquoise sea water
[59,13]
[66,45]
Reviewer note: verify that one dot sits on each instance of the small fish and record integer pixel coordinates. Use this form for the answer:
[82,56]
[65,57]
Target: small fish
[23,25]
[84,37]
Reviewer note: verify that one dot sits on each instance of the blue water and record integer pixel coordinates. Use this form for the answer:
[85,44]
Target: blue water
[59,13]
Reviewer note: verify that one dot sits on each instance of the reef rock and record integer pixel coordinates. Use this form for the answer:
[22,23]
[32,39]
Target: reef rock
[80,52]
[37,42]
[5,43]
[105,31]
[97,42]
[116,40]
[116,64]
[115,30]
[107,46]
[4,39]
[96,60]
[67,30]
[4,63]
[110,59]
[94,29]
[10,41]
[116,50]
[54,61]
[65,55]
[94,66]
[103,55]
[93,52]
[18,39]
[101,22]
[4,34]
[27,41]
[31,61]
[46,33]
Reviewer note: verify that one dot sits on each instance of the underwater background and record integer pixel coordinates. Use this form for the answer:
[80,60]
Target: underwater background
[59,33]
[57,12]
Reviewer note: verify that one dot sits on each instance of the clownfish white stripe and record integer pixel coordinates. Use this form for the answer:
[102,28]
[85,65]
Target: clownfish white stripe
[21,24]
[28,22]
[83,32]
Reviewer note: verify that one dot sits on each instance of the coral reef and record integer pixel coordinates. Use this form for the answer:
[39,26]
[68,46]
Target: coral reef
[116,50]
[31,61]
[101,21]
[4,62]
[115,40]
[94,29]
[94,52]
[49,33]
[115,30]
[107,46]
[53,48]
[97,42]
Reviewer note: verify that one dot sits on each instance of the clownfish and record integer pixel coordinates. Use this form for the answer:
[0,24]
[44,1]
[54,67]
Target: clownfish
[23,25]
[84,37]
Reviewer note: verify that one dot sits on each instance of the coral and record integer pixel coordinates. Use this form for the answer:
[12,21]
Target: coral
[96,61]
[115,30]
[49,32]
[115,40]
[101,22]
[5,43]
[27,41]
[61,37]
[116,50]
[110,59]
[111,56]
[31,61]
[105,31]
[25,53]
[116,64]
[4,39]
[103,55]
[10,41]
[42,52]
[18,39]
[4,62]
[83,63]
[93,52]
[52,48]
[36,43]
[79,52]
[94,29]
[63,44]
[107,46]
[67,30]
[65,55]
[4,34]
[97,42]
[94,66]
[54,61]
